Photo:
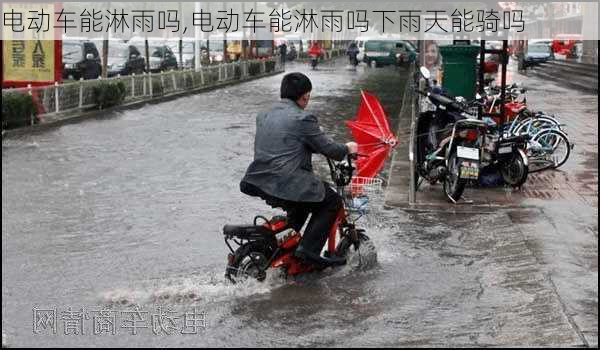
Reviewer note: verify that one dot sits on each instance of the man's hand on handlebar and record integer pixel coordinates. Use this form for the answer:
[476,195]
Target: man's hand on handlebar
[352,147]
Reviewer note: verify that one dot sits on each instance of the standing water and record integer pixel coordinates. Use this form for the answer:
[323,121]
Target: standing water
[127,210]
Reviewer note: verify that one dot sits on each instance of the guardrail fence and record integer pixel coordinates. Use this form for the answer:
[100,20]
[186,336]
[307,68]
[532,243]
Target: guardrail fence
[72,96]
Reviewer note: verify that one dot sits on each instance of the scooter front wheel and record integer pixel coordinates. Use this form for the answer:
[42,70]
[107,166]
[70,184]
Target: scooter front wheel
[365,256]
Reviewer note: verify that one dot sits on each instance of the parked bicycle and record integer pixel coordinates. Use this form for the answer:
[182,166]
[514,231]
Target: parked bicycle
[548,146]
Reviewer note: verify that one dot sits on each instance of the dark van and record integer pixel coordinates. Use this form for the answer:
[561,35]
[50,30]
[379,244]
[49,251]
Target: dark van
[124,59]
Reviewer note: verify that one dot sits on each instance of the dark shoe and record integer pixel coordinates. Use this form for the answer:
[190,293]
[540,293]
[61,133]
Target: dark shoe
[313,258]
[336,260]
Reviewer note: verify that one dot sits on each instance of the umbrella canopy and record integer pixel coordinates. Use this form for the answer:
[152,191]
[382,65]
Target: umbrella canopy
[372,133]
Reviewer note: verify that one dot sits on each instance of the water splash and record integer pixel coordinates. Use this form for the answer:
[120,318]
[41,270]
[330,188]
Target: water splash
[200,289]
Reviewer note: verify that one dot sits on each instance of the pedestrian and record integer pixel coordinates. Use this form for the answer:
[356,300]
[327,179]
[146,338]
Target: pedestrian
[293,53]
[283,52]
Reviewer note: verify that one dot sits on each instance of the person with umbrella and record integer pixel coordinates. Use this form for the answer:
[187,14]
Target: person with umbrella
[282,173]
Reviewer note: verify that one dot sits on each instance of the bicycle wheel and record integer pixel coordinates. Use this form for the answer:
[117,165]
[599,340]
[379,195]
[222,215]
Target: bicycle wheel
[555,144]
[533,125]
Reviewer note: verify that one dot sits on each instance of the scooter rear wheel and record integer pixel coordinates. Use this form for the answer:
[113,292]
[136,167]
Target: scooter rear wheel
[249,261]
[515,171]
[454,186]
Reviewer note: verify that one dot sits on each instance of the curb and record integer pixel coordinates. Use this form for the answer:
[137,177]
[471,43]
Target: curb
[399,176]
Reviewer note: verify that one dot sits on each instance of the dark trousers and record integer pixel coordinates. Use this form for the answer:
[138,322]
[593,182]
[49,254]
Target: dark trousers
[322,219]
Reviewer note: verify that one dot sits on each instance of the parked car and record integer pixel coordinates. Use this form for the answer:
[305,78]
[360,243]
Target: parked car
[537,53]
[187,52]
[161,58]
[124,59]
[380,53]
[80,60]
[543,42]
[406,52]
[215,48]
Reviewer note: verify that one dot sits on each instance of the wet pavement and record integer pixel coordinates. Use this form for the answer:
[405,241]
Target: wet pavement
[127,211]
[555,213]
[129,208]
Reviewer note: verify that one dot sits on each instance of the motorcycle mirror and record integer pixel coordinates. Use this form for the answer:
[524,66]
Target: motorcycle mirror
[425,73]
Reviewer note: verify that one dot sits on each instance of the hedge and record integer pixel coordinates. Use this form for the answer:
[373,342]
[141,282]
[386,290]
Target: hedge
[108,94]
[18,109]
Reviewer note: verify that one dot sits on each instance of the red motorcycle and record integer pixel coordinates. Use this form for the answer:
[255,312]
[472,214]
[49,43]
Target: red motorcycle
[315,53]
[270,244]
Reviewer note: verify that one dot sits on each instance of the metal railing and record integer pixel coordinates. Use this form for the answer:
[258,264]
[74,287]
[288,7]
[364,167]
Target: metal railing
[77,95]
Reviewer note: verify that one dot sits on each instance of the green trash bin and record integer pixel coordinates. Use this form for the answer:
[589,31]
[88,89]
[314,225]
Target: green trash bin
[460,69]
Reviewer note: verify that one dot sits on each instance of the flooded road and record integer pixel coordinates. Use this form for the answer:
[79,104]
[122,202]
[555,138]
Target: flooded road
[128,209]
[113,226]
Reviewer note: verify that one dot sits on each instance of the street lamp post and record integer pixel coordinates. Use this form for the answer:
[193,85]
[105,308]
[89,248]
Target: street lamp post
[181,36]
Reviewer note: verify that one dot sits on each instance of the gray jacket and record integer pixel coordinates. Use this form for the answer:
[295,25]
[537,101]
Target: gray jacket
[286,138]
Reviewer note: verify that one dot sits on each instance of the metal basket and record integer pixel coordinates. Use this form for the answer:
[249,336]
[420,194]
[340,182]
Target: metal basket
[364,192]
[365,186]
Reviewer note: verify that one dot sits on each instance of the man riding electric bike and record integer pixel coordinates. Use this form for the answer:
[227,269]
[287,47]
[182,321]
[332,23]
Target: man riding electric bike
[282,174]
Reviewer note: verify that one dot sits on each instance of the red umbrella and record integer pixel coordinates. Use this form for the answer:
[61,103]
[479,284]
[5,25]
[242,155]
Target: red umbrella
[372,133]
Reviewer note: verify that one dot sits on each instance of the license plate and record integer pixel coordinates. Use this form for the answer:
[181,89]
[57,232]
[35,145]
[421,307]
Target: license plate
[469,170]
[505,150]
[467,152]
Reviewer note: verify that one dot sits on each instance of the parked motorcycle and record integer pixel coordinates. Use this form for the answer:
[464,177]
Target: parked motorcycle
[504,151]
[271,244]
[449,143]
